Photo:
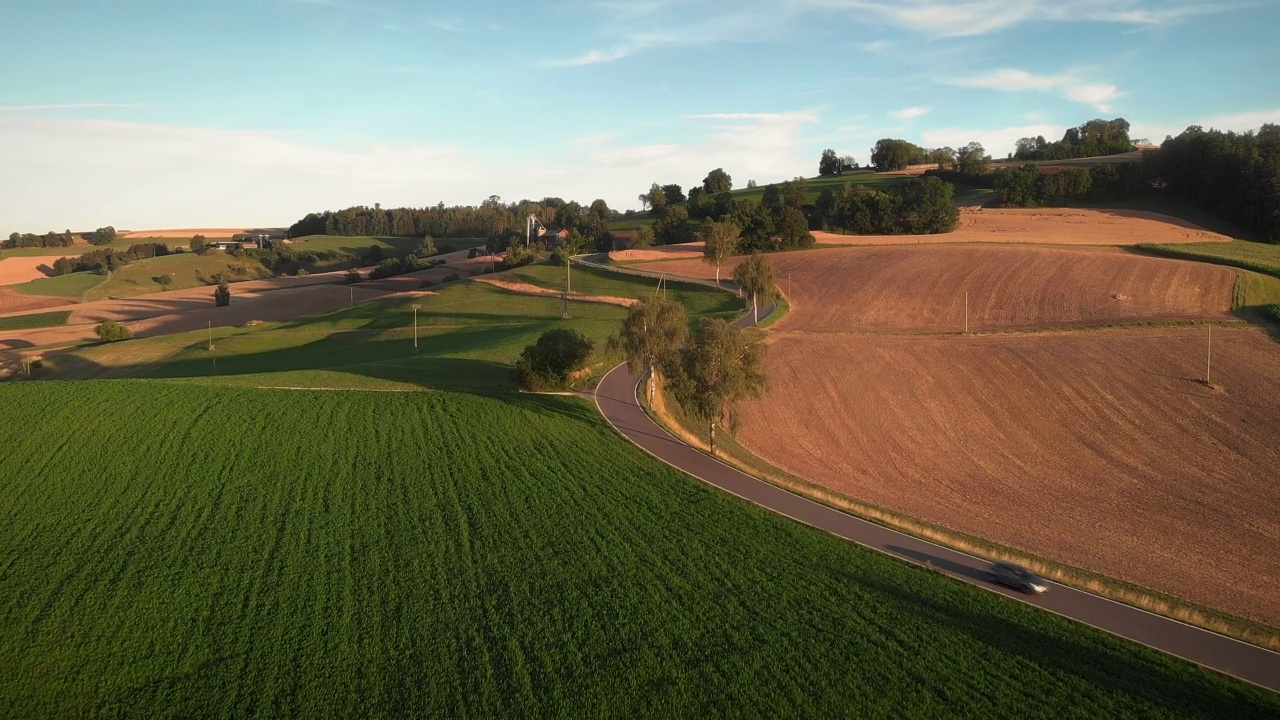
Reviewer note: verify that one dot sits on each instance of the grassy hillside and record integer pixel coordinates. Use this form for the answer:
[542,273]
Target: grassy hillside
[73,285]
[237,552]
[186,270]
[1256,256]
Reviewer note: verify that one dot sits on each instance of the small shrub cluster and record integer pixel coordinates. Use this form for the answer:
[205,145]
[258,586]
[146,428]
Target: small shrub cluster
[1274,312]
[551,361]
[112,331]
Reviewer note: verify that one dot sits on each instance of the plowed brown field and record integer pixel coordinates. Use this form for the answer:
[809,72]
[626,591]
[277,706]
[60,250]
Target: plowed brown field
[1048,226]
[1097,448]
[923,288]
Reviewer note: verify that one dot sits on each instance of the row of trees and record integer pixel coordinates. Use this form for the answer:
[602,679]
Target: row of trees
[660,197]
[1235,176]
[499,223]
[709,368]
[1092,139]
[916,207]
[891,154]
[107,259]
[49,239]
[830,164]
[1031,186]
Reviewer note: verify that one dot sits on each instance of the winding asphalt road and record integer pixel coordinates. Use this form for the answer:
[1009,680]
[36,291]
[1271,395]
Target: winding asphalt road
[616,399]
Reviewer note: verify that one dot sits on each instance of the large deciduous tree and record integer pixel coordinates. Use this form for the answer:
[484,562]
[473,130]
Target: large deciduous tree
[651,336]
[657,197]
[717,181]
[674,193]
[721,241]
[673,227]
[755,277]
[972,159]
[720,366]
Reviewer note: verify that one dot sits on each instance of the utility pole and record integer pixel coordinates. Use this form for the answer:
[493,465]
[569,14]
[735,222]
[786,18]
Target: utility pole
[351,295]
[966,312]
[565,315]
[415,326]
[1208,359]
[210,336]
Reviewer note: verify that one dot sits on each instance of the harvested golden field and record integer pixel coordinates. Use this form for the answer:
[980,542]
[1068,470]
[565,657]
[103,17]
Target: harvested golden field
[14,270]
[210,233]
[1100,448]
[15,302]
[1010,287]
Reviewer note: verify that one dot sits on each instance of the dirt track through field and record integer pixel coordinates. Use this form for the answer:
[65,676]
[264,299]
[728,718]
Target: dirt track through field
[1100,449]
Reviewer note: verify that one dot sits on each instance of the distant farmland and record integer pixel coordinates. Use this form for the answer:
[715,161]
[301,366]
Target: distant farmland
[239,552]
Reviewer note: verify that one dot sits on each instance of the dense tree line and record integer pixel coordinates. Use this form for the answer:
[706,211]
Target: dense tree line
[891,154]
[107,259]
[493,220]
[1092,139]
[49,239]
[1235,176]
[916,207]
[830,164]
[1031,186]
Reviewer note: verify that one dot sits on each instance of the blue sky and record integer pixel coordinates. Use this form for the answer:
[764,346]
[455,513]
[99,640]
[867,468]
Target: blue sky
[145,114]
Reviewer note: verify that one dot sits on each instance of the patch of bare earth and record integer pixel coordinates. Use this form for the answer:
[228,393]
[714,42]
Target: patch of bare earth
[661,252]
[210,233]
[1099,449]
[14,270]
[14,302]
[523,288]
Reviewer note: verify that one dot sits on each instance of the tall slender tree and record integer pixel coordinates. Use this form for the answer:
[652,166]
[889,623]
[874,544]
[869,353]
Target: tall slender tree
[721,241]
[720,366]
[651,336]
[755,277]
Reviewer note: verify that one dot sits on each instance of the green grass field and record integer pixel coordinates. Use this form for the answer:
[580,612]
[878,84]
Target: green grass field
[1256,256]
[234,552]
[357,245]
[35,320]
[186,270]
[697,299]
[73,285]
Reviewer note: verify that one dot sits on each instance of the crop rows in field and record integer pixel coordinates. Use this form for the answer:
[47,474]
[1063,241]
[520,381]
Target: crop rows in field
[35,320]
[232,552]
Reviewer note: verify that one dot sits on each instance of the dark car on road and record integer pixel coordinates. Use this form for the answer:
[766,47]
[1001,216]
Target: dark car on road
[1017,577]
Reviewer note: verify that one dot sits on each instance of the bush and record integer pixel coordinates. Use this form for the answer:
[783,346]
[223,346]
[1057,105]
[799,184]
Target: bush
[162,280]
[1274,312]
[222,296]
[354,276]
[112,331]
[548,363]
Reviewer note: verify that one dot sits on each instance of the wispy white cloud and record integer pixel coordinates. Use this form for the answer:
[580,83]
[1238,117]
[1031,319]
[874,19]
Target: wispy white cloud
[70,106]
[877,47]
[593,57]
[960,18]
[1099,95]
[911,112]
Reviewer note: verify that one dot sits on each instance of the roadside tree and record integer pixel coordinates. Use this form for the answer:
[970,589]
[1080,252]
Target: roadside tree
[719,367]
[651,336]
[721,240]
[755,277]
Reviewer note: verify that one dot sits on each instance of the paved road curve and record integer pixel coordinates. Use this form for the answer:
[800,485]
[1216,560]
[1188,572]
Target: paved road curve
[616,398]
